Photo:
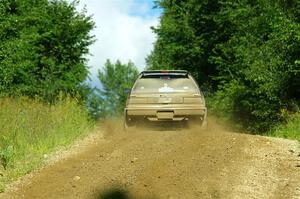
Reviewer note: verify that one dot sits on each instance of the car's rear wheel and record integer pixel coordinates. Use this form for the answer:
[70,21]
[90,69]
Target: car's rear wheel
[128,123]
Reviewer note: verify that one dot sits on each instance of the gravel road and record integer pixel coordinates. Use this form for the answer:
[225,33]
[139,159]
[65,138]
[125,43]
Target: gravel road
[183,164]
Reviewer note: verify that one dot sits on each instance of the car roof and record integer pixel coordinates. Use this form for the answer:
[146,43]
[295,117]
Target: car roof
[181,73]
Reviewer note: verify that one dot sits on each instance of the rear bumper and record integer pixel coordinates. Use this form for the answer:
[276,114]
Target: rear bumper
[166,112]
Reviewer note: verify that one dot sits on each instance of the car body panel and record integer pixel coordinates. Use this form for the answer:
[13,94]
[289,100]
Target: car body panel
[159,96]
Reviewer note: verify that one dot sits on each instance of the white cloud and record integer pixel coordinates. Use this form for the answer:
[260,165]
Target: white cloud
[122,32]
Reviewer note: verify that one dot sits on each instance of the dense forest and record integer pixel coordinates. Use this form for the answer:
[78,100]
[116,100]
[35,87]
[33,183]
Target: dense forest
[246,54]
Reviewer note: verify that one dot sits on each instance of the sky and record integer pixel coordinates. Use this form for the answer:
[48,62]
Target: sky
[122,32]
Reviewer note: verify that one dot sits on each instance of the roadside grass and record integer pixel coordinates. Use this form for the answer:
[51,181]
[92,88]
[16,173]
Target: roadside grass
[30,129]
[221,108]
[290,130]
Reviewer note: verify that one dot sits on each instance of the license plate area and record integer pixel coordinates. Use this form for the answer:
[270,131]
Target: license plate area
[165,100]
[165,114]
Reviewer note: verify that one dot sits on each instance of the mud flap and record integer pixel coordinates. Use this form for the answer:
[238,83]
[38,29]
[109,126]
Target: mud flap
[204,125]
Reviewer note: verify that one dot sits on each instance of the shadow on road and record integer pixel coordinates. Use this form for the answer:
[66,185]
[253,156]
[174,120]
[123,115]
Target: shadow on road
[118,193]
[114,193]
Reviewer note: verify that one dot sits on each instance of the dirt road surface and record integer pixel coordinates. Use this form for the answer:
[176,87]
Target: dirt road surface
[183,164]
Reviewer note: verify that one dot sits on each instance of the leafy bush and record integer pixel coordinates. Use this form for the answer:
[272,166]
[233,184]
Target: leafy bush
[42,47]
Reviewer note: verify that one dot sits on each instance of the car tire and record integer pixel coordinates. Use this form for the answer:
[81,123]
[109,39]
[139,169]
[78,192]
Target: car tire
[127,125]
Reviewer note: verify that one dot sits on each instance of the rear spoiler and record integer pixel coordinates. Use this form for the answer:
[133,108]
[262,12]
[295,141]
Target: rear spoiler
[176,73]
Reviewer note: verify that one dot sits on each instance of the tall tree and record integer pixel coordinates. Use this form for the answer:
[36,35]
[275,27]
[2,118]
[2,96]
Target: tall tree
[115,80]
[42,47]
[186,37]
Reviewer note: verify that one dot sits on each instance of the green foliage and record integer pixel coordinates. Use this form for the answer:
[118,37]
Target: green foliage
[6,156]
[42,56]
[260,56]
[95,105]
[42,47]
[30,129]
[185,38]
[115,80]
[290,129]
[247,52]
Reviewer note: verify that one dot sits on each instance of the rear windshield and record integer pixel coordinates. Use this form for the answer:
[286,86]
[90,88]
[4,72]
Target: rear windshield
[165,85]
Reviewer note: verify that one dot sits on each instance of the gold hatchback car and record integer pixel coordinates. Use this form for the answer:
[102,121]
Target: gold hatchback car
[165,96]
